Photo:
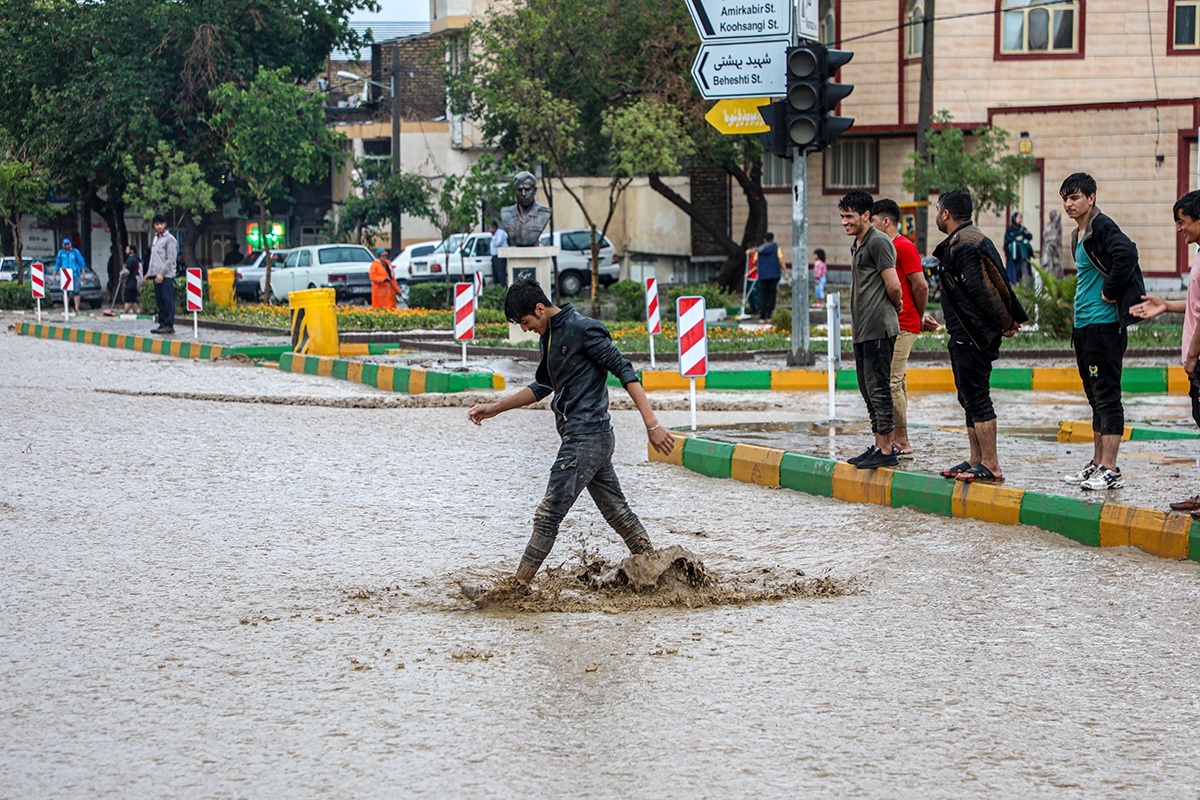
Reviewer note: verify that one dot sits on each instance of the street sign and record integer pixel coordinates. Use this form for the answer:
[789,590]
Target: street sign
[807,20]
[722,20]
[738,115]
[741,69]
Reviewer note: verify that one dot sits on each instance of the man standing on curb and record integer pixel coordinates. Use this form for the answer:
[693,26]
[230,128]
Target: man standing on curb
[1109,285]
[980,309]
[164,255]
[1187,224]
[875,302]
[916,292]
[577,356]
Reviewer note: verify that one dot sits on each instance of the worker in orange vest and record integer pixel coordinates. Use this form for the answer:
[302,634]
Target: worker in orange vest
[384,288]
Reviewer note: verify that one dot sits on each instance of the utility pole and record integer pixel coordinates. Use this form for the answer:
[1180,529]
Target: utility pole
[924,114]
[397,238]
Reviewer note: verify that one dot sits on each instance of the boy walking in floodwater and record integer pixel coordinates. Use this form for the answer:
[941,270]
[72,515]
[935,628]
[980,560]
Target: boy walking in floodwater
[577,354]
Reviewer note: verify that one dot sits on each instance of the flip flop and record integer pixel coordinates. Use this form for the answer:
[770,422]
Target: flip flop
[952,472]
[979,473]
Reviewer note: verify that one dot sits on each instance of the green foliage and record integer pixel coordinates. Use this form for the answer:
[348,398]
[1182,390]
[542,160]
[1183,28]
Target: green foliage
[1053,307]
[988,171]
[493,297]
[23,189]
[432,294]
[781,320]
[166,182]
[631,301]
[18,295]
[648,137]
[714,296]
[150,305]
[383,200]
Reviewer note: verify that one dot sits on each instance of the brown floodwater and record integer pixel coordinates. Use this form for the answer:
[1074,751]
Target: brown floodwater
[220,581]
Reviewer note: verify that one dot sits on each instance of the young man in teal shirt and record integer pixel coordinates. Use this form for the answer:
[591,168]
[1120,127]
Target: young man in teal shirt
[1109,284]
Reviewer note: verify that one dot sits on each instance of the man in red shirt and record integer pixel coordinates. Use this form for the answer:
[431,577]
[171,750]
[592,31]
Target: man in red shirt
[915,291]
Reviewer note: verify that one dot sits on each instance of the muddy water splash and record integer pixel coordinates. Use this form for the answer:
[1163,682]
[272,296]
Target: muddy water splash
[670,577]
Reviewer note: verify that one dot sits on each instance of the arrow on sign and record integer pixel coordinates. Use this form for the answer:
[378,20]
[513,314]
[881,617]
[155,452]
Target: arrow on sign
[722,20]
[64,279]
[738,116]
[741,69]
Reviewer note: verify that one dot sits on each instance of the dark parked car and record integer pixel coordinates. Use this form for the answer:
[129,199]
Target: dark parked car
[90,290]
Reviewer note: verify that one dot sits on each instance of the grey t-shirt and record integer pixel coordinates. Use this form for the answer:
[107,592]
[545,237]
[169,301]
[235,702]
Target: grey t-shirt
[871,311]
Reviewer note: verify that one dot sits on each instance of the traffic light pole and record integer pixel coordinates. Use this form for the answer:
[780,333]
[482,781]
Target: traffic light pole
[801,352]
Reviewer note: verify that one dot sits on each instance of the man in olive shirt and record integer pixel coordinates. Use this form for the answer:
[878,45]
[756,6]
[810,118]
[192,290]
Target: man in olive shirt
[875,304]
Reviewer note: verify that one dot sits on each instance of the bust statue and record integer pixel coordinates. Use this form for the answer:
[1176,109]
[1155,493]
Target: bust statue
[524,221]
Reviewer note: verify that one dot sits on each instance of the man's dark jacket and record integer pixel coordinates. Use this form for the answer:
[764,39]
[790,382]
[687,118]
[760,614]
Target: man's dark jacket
[577,355]
[1116,257]
[975,287]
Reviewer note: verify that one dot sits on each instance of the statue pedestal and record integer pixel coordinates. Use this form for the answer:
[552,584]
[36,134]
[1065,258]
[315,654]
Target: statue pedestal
[528,262]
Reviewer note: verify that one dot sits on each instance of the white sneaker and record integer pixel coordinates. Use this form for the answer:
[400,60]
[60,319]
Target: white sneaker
[1081,476]
[1103,478]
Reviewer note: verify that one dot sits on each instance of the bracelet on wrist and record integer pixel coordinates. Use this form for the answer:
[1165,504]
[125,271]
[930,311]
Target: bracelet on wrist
[656,427]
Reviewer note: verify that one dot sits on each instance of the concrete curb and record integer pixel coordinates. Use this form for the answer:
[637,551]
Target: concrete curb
[410,380]
[1081,431]
[1134,380]
[1164,534]
[125,341]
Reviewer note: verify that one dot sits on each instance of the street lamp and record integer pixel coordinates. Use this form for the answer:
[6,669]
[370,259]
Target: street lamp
[397,242]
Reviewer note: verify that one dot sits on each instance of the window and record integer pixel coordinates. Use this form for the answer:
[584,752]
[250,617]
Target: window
[777,172]
[827,24]
[483,246]
[1184,21]
[305,258]
[852,164]
[914,18]
[1029,27]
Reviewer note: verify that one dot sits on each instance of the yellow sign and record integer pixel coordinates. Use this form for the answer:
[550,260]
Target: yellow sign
[738,115]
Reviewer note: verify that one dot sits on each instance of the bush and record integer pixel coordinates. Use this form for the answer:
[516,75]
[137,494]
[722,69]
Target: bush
[631,301]
[1054,306]
[781,320]
[714,297]
[433,295]
[19,295]
[493,297]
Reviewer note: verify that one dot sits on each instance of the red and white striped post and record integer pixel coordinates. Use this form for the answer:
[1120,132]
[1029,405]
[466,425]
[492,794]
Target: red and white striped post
[195,297]
[464,315]
[478,286]
[37,280]
[65,281]
[693,343]
[653,316]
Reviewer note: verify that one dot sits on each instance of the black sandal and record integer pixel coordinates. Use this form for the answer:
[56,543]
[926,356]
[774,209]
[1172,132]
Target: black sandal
[954,471]
[979,473]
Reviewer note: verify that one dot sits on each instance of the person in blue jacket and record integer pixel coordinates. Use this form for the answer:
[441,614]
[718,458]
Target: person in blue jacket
[769,273]
[72,259]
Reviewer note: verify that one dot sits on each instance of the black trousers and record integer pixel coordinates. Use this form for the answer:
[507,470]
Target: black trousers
[873,366]
[768,288]
[499,271]
[164,295]
[1099,351]
[972,370]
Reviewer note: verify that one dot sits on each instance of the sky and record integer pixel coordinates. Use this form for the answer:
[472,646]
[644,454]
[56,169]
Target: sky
[396,11]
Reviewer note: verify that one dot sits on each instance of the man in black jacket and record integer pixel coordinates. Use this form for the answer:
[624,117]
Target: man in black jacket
[980,309]
[1109,283]
[577,356]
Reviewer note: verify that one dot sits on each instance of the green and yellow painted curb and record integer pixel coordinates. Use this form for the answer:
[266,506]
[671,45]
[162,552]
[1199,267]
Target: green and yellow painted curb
[1134,380]
[1164,534]
[391,379]
[124,341]
[1081,431]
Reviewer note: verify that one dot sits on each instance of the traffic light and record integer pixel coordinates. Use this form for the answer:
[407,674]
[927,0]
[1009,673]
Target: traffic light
[812,98]
[775,141]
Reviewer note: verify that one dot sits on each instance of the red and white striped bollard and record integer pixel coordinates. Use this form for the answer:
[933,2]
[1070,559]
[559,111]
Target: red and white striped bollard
[195,297]
[65,281]
[693,343]
[37,281]
[653,316]
[464,315]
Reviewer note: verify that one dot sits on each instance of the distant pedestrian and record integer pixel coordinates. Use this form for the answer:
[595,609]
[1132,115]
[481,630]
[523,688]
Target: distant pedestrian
[915,292]
[1052,260]
[820,270]
[875,303]
[1109,285]
[1017,249]
[71,259]
[164,258]
[499,265]
[1187,224]
[384,289]
[131,276]
[769,273]
[980,309]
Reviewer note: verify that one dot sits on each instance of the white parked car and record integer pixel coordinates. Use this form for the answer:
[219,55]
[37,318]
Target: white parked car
[402,264]
[309,267]
[458,255]
[8,267]
[575,259]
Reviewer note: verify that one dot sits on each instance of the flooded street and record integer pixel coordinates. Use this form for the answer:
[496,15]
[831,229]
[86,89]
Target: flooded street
[221,598]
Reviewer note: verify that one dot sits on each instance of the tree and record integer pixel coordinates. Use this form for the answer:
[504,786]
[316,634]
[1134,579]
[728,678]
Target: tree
[382,201]
[573,61]
[167,183]
[989,172]
[273,131]
[23,190]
